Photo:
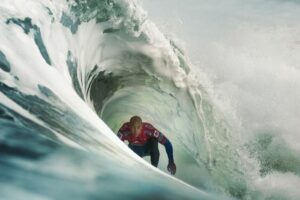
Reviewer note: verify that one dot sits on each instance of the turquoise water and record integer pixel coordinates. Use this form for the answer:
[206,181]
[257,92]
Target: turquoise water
[73,72]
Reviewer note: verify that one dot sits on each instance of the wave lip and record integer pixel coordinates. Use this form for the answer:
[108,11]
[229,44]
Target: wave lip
[53,145]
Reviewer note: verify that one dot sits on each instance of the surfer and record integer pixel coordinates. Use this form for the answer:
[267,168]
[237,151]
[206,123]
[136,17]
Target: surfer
[143,139]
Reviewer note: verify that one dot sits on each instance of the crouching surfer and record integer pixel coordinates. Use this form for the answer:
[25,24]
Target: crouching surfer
[143,139]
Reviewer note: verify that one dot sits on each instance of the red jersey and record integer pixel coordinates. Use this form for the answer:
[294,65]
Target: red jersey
[147,132]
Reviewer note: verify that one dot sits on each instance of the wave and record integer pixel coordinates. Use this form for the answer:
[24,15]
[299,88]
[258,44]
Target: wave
[72,73]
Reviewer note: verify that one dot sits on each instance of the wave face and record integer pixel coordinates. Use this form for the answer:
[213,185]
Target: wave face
[72,73]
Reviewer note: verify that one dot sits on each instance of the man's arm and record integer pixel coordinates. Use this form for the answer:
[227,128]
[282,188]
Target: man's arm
[168,146]
[162,139]
[122,133]
[169,149]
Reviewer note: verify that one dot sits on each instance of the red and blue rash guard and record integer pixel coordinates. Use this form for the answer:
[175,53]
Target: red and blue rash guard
[147,132]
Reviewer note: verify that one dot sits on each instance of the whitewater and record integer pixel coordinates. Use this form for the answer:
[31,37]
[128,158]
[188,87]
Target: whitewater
[73,71]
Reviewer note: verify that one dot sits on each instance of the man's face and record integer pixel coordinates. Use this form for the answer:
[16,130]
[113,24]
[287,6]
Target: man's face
[136,128]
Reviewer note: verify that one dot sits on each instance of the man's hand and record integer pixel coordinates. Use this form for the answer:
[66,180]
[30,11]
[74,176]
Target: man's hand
[172,168]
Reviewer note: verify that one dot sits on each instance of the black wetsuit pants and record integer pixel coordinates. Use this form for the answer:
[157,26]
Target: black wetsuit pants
[150,148]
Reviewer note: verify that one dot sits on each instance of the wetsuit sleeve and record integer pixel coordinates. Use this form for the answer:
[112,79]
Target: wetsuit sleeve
[164,141]
[169,150]
[122,132]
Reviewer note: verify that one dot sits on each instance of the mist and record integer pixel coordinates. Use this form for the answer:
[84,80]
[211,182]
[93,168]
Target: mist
[250,51]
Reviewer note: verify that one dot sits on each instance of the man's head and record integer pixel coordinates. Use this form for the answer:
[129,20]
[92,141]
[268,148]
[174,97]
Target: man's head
[135,125]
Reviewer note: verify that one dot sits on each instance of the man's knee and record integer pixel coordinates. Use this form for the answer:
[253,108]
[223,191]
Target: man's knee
[153,143]
[153,151]
[154,157]
[136,149]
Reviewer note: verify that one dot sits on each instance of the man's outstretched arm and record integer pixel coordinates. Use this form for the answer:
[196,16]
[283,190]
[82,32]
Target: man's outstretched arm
[168,146]
[169,149]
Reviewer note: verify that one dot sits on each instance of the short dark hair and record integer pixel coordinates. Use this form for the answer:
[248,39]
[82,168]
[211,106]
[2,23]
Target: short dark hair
[135,119]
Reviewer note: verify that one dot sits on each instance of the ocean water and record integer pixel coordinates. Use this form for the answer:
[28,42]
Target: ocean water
[220,80]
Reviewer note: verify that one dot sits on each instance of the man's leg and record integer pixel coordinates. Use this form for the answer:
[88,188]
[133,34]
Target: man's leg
[152,150]
[139,150]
